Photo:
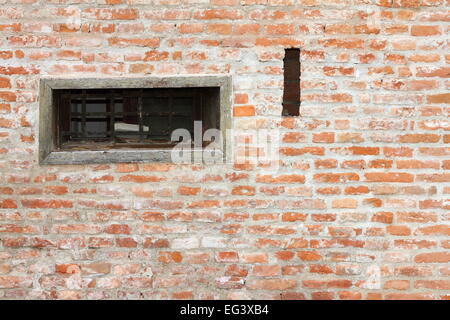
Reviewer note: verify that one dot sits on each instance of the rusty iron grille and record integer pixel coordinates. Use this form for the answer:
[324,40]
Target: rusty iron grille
[125,117]
[291,93]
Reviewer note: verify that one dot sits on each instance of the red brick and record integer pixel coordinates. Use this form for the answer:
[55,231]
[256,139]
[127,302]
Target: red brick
[191,28]
[309,256]
[272,284]
[280,29]
[210,14]
[188,191]
[169,257]
[5,83]
[243,191]
[294,137]
[67,268]
[112,14]
[424,31]
[433,284]
[324,137]
[322,295]
[433,257]
[140,179]
[219,28]
[335,177]
[140,42]
[389,177]
[50,204]
[243,111]
[439,98]
[127,167]
[301,151]
[396,284]
[441,72]
[227,257]
[361,173]
[118,229]
[287,178]
[7,203]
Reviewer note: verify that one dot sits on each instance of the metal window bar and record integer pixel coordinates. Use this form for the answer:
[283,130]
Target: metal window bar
[112,116]
[83,114]
[141,117]
[170,124]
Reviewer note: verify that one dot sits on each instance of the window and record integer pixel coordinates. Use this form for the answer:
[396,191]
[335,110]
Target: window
[291,94]
[126,120]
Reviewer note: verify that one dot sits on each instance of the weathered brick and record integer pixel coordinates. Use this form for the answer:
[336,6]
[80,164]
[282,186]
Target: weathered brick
[360,176]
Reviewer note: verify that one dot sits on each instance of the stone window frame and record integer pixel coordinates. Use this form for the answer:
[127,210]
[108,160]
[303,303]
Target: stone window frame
[48,155]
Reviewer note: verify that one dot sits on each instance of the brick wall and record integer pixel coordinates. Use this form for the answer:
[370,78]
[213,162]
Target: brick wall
[357,210]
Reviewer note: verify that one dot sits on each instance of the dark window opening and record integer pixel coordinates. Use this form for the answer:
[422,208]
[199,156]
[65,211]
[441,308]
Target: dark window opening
[291,94]
[95,119]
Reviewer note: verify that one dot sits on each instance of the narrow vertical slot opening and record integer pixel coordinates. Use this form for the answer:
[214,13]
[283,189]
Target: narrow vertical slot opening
[291,93]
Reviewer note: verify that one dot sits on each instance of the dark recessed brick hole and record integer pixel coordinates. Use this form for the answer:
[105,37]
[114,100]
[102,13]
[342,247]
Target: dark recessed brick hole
[291,94]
